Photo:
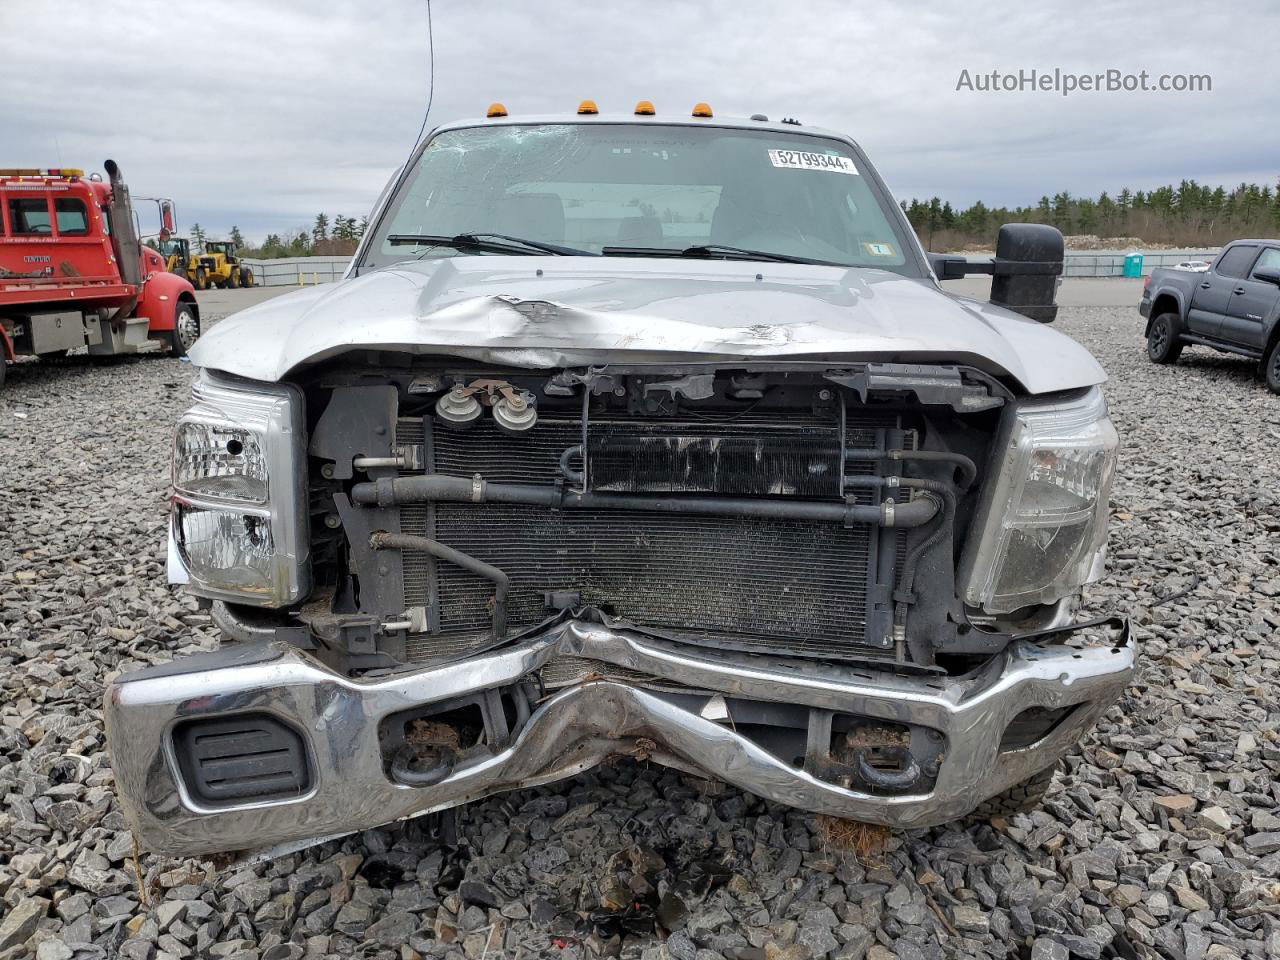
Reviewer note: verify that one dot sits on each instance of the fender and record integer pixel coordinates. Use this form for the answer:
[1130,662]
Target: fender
[161,294]
[1167,292]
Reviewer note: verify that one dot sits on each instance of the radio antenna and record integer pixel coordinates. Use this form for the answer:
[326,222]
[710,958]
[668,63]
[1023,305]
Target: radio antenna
[431,78]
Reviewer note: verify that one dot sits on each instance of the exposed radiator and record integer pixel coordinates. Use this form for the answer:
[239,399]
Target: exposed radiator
[744,583]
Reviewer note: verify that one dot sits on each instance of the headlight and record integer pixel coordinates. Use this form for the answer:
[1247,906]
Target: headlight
[239,492]
[1043,532]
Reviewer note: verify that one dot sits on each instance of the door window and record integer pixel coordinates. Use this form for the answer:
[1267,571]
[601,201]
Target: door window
[29,215]
[73,221]
[1235,262]
[1270,260]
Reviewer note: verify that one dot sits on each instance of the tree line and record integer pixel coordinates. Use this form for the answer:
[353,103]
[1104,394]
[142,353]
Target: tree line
[336,238]
[1187,215]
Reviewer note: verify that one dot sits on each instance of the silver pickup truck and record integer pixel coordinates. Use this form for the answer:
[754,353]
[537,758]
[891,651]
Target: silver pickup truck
[631,436]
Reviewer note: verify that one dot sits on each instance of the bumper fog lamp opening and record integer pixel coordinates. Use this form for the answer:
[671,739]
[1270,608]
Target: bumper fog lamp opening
[247,758]
[1032,725]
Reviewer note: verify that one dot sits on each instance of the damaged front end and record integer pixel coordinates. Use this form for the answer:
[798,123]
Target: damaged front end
[842,587]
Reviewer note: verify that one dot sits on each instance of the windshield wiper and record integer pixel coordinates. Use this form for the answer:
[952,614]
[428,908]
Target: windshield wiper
[493,242]
[712,251]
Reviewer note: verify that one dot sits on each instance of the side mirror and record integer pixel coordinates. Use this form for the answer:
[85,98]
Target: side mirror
[1024,271]
[1027,264]
[1267,276]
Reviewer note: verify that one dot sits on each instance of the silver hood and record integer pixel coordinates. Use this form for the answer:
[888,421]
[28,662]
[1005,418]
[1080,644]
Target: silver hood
[551,312]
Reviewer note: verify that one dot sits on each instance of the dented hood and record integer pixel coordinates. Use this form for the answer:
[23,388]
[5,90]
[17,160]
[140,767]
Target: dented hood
[552,312]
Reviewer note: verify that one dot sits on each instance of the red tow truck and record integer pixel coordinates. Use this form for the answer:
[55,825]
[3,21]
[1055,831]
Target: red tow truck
[74,272]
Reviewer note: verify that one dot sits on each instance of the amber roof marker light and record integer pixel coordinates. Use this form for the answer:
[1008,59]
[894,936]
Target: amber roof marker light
[702,110]
[587,108]
[496,110]
[645,109]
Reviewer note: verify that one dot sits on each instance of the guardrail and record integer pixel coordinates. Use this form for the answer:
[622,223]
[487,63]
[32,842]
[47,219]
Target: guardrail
[304,271]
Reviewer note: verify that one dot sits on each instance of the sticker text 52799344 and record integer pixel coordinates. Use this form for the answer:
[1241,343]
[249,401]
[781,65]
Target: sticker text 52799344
[804,160]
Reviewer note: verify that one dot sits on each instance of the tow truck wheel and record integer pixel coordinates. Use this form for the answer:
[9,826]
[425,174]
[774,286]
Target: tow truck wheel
[1272,368]
[1163,345]
[202,279]
[1019,798]
[233,281]
[186,330]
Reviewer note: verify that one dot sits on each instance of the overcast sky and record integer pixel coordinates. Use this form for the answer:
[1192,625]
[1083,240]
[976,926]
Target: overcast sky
[262,112]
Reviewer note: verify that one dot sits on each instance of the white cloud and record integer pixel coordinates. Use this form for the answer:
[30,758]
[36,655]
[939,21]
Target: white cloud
[269,112]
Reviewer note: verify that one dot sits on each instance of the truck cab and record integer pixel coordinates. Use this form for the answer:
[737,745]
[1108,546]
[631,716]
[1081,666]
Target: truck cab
[73,274]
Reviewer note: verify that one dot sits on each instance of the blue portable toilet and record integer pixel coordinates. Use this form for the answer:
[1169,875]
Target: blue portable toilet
[1133,265]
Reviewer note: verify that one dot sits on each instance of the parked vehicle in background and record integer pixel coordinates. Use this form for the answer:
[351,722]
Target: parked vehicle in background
[1197,266]
[222,267]
[180,260]
[74,274]
[1233,307]
[631,435]
[177,255]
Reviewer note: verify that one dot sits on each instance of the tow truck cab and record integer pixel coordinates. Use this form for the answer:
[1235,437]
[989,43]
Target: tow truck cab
[73,272]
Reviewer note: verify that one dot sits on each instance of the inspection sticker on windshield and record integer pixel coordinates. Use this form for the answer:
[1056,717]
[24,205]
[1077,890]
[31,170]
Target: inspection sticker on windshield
[803,160]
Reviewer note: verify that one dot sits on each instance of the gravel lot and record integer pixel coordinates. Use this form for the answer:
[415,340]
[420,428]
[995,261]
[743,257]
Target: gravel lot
[1161,837]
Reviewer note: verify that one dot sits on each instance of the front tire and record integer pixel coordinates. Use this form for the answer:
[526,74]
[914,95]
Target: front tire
[1271,367]
[202,279]
[246,277]
[1163,345]
[186,330]
[233,281]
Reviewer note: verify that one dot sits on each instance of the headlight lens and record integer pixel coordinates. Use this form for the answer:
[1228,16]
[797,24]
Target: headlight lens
[218,460]
[1043,532]
[239,518]
[233,550]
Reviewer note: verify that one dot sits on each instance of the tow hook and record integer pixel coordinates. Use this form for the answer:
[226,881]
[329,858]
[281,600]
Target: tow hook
[878,756]
[906,776]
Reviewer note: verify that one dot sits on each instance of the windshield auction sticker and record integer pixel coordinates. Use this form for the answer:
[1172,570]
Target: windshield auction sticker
[803,160]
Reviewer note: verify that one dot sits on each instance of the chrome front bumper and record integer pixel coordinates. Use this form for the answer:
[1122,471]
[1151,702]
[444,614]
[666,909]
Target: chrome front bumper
[578,727]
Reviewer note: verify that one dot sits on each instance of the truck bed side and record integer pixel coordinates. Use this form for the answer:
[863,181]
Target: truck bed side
[1168,291]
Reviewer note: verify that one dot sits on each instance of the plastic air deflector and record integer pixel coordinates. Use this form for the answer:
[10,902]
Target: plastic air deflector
[247,758]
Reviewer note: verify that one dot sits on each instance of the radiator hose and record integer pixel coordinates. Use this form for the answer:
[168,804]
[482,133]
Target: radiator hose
[382,540]
[394,491]
[932,489]
[965,465]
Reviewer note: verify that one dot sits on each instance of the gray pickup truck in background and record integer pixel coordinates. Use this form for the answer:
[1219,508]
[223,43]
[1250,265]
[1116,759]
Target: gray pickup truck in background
[1233,307]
